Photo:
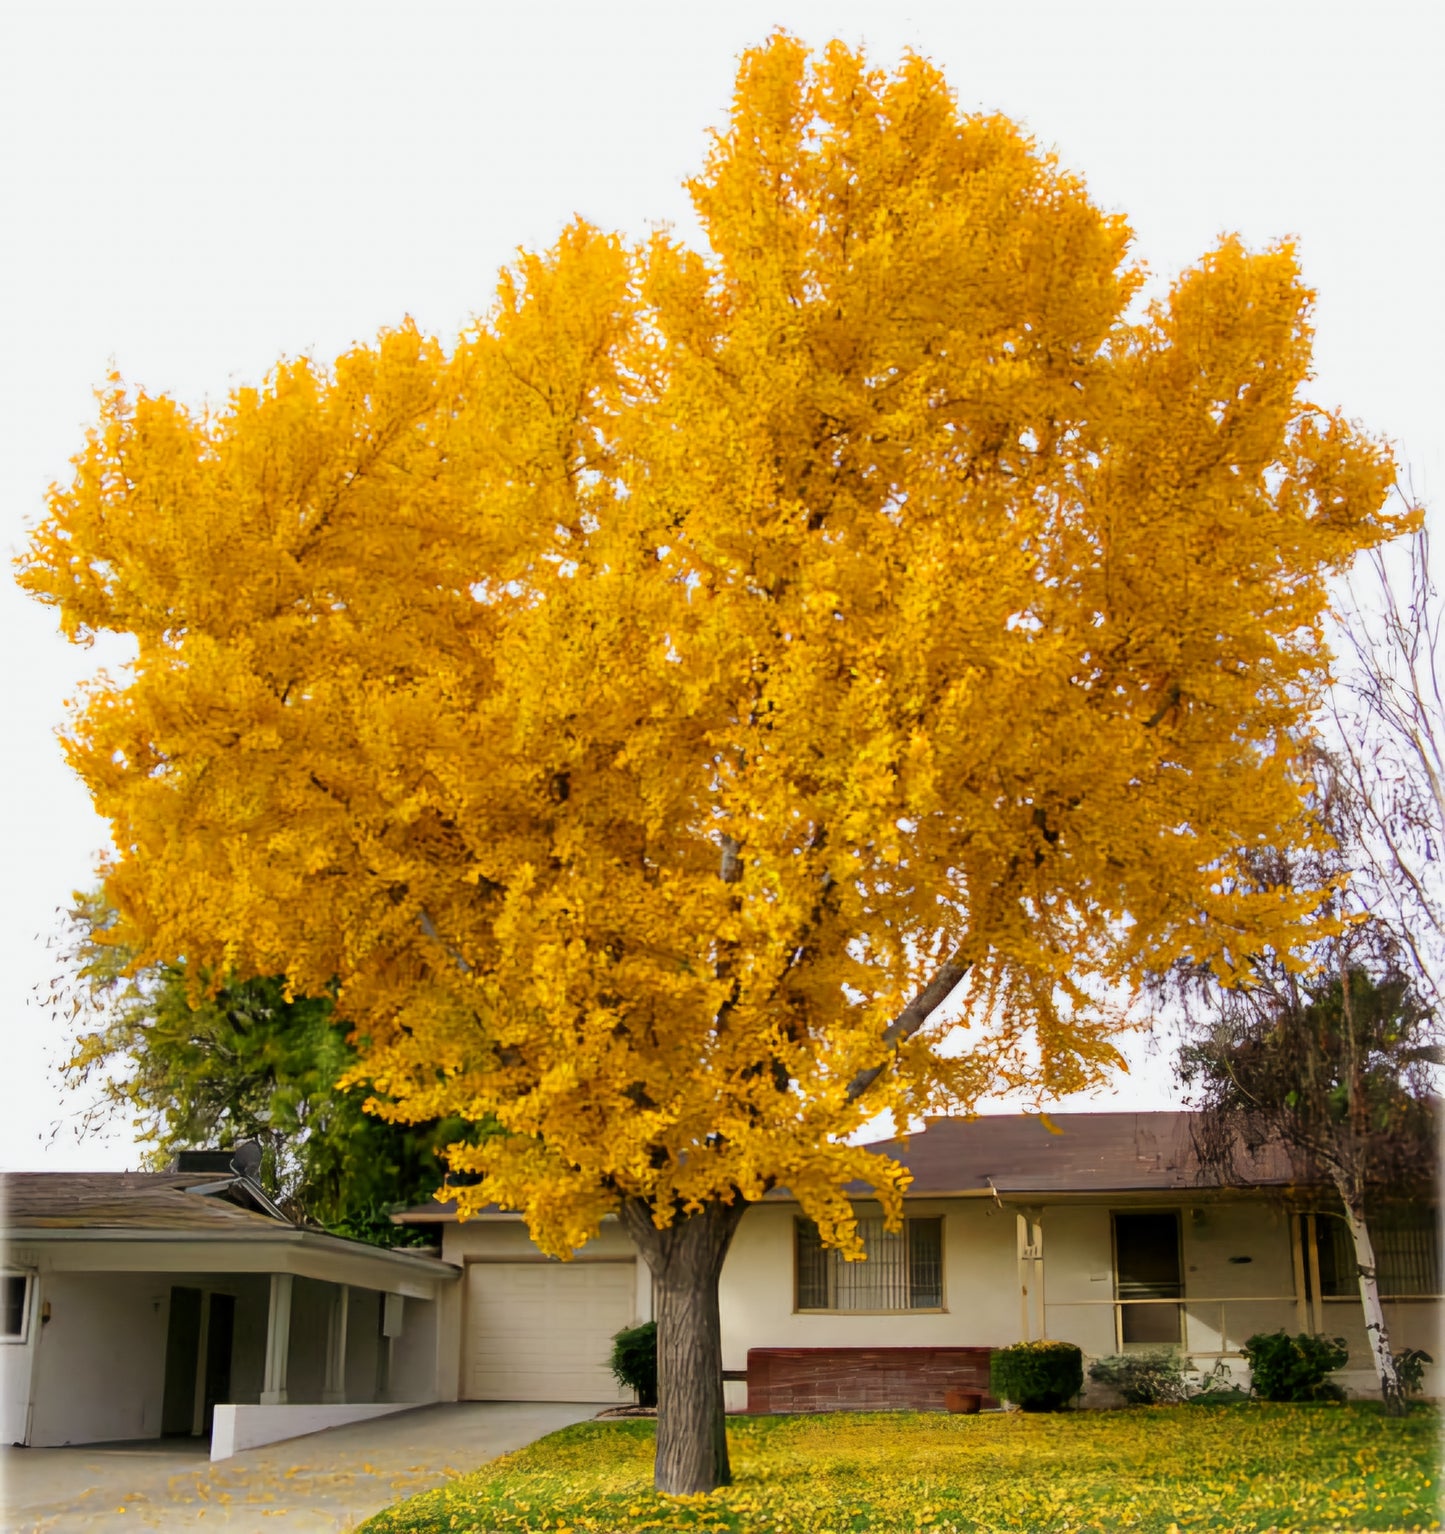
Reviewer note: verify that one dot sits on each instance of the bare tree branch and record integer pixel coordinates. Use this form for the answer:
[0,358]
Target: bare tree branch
[1387,718]
[943,984]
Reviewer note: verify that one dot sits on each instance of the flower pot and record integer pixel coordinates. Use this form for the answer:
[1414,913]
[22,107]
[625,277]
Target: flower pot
[964,1402]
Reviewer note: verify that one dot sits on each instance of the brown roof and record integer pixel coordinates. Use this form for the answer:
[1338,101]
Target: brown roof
[1088,1153]
[1016,1154]
[125,1201]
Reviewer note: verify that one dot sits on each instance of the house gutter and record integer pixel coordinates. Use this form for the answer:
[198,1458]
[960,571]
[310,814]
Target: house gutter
[433,1266]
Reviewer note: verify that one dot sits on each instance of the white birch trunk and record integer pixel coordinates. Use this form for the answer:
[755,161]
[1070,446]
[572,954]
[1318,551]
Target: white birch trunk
[1376,1331]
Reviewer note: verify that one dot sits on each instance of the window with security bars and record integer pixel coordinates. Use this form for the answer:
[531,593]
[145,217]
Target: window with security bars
[1407,1253]
[903,1269]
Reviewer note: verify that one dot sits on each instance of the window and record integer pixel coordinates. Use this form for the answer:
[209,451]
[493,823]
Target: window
[1407,1253]
[16,1293]
[1147,1270]
[903,1271]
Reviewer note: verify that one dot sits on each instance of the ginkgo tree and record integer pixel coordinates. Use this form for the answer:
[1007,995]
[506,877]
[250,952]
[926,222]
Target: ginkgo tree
[646,713]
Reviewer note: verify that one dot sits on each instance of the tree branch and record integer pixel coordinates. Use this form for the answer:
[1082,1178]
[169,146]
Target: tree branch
[949,976]
[429,927]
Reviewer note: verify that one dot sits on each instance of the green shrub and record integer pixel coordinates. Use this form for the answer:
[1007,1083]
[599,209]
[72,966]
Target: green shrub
[1285,1368]
[1144,1379]
[634,1361]
[1038,1376]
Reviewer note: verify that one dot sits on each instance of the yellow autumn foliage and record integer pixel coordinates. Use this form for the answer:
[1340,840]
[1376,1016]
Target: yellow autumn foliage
[629,708]
[1254,1469]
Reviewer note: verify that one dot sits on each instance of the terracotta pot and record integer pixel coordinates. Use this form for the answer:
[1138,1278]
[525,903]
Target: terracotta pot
[965,1402]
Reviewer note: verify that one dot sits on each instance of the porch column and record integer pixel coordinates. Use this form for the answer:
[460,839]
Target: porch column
[1031,1262]
[278,1341]
[1312,1261]
[335,1390]
[1301,1282]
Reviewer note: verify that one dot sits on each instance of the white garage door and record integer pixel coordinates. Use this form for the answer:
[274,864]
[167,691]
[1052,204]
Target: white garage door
[542,1331]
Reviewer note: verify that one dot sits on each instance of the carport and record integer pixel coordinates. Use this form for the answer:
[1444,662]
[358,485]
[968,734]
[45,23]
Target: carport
[143,1305]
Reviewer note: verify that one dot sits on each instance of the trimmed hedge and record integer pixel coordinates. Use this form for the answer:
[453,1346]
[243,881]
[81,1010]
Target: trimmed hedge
[1037,1376]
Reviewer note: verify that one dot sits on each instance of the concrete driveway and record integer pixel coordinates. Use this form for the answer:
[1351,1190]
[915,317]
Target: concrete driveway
[326,1481]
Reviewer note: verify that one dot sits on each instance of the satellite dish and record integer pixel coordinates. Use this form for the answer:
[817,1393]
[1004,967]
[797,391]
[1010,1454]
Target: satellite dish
[246,1160]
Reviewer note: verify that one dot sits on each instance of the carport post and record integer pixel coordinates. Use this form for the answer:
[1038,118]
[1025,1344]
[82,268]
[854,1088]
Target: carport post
[335,1391]
[278,1341]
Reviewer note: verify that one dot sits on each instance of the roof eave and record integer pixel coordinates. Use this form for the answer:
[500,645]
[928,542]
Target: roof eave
[29,1235]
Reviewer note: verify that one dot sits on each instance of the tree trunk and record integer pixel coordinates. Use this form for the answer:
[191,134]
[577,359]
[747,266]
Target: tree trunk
[1376,1331]
[686,1260]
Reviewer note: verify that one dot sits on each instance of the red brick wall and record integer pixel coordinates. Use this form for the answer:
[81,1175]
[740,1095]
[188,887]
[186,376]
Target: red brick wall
[862,1379]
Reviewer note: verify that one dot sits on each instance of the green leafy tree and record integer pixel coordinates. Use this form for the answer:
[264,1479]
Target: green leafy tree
[247,1062]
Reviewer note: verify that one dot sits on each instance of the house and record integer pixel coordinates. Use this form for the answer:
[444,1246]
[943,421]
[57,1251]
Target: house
[1106,1233]
[138,1305]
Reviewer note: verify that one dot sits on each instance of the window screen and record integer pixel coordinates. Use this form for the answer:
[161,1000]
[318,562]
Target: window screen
[1147,1271]
[15,1290]
[903,1270]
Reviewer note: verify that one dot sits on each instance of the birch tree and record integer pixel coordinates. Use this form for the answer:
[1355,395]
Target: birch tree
[1329,1052]
[1386,722]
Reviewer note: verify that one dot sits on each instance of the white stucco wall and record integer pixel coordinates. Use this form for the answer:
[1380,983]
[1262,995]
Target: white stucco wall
[311,1303]
[363,1345]
[415,1359]
[1078,1276]
[1411,1323]
[981,1283]
[246,1427]
[980,1287]
[1251,1296]
[248,1349]
[100,1372]
[1227,1300]
[1257,1295]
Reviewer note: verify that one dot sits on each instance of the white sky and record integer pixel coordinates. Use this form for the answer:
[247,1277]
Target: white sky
[197,189]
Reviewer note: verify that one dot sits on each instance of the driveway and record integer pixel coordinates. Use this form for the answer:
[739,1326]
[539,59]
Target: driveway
[326,1481]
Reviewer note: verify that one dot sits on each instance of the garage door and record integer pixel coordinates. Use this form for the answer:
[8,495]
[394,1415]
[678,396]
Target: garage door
[542,1331]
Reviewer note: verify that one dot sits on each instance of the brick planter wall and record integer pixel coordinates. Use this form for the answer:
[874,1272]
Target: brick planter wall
[862,1379]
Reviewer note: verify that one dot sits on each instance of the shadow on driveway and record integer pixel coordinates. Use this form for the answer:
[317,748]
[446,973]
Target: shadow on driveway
[327,1481]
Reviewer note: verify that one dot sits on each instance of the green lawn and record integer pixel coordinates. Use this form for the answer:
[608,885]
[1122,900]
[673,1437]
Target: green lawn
[1152,1469]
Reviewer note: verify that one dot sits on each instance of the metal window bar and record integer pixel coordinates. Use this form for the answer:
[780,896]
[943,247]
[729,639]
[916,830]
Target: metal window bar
[1407,1254]
[903,1270]
[925,1264]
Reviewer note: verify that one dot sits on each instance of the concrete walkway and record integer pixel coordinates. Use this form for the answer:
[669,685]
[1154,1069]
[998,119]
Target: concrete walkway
[328,1481]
